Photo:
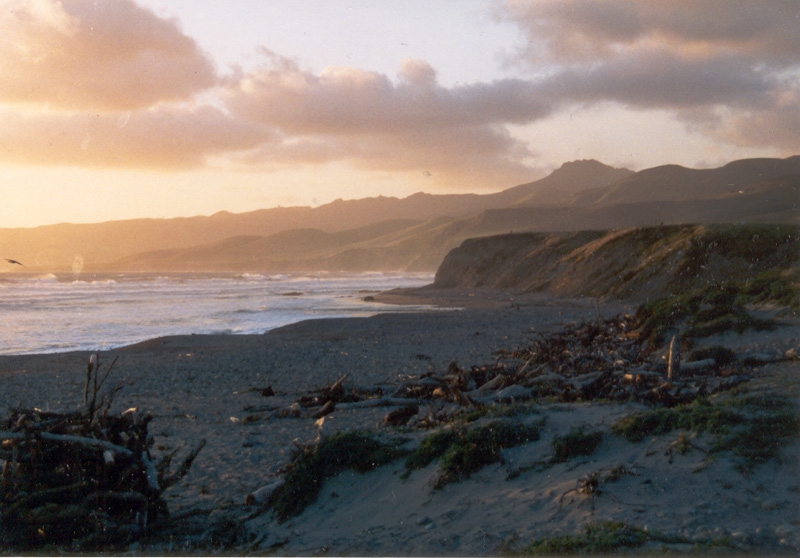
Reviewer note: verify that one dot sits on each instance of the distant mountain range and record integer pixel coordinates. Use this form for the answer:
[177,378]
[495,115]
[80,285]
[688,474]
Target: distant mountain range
[415,233]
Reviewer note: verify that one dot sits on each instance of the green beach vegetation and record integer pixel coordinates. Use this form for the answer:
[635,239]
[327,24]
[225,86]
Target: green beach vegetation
[314,463]
[611,537]
[752,428]
[463,451]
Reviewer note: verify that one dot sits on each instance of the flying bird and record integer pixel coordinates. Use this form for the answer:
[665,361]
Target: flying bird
[13,262]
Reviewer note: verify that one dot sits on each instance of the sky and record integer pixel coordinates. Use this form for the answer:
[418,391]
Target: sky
[118,109]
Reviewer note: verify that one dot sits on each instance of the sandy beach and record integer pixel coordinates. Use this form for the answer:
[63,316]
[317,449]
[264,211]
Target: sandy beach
[210,387]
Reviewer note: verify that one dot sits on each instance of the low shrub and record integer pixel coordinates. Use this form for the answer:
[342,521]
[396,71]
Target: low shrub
[775,285]
[599,538]
[356,450]
[462,452]
[432,448]
[761,440]
[753,428]
[575,444]
[699,313]
[733,320]
[698,416]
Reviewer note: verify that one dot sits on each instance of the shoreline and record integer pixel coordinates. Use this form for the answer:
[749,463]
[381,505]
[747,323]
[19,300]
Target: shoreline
[427,298]
[209,387]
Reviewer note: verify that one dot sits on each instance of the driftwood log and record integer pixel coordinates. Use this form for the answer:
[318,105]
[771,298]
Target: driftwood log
[84,480]
[588,361]
[68,479]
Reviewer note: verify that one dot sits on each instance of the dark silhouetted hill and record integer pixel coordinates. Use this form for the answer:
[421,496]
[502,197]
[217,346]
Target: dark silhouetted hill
[415,233]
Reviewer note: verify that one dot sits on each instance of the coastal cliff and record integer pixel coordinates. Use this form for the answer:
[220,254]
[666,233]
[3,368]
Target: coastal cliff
[636,263]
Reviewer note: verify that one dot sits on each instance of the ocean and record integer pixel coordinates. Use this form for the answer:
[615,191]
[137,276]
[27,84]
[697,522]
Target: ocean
[59,313]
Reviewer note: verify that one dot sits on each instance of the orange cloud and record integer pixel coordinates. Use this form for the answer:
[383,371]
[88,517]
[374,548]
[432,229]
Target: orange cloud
[164,137]
[110,84]
[350,101]
[365,118]
[75,54]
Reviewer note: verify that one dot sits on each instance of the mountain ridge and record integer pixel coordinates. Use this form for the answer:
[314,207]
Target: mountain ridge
[418,230]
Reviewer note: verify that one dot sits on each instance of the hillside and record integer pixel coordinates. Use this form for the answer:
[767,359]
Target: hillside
[638,263]
[421,245]
[416,232]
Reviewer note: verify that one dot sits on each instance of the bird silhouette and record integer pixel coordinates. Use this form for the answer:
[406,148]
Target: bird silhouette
[13,262]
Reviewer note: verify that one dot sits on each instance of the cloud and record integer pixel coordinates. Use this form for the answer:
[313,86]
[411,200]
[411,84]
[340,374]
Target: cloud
[95,85]
[349,100]
[110,84]
[575,30]
[698,58]
[165,137]
[374,122]
[78,55]
[662,79]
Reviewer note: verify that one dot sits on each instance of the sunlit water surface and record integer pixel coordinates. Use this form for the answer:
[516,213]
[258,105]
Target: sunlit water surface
[49,313]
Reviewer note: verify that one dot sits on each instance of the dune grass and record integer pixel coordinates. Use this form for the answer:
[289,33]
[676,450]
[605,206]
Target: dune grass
[577,443]
[752,428]
[463,451]
[770,274]
[357,450]
[699,313]
[603,537]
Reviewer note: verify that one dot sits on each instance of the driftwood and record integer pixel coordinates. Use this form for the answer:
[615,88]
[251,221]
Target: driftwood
[376,402]
[263,494]
[82,480]
[599,360]
[401,416]
[674,359]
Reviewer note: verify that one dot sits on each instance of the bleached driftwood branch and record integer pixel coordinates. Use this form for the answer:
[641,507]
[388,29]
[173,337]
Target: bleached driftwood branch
[89,442]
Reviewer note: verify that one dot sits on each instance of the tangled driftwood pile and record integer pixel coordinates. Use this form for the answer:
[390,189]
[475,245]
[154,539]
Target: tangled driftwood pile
[598,360]
[605,360]
[82,480]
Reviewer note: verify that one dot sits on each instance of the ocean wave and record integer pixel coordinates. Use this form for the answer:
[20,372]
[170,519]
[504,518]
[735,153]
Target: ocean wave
[47,277]
[259,310]
[111,310]
[98,282]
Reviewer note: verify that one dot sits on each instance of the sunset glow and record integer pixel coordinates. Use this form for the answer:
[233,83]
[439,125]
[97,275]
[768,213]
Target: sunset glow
[160,108]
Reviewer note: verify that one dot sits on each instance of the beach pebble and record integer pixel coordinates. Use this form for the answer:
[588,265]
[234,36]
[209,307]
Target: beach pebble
[784,530]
